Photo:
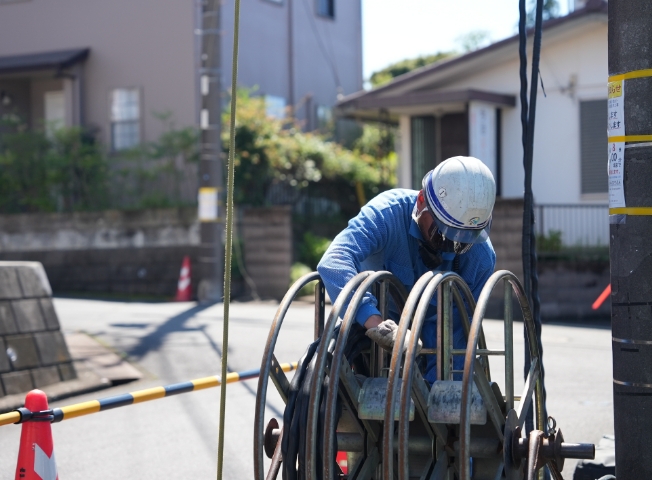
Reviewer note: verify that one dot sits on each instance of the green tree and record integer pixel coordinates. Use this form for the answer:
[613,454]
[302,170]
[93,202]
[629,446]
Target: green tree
[473,40]
[550,10]
[404,66]
[271,151]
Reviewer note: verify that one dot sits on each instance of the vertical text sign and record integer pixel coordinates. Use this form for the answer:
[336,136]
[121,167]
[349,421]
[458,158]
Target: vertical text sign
[616,153]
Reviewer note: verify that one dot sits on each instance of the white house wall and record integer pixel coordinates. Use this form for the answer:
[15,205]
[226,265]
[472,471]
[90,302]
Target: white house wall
[573,69]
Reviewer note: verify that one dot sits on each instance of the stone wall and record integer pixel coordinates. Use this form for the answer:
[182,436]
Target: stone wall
[267,236]
[140,252]
[33,352]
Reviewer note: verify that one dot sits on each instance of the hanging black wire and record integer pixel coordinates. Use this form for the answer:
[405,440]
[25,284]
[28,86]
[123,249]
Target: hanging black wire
[528,116]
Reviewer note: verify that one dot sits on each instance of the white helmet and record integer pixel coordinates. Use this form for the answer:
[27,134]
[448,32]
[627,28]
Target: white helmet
[461,193]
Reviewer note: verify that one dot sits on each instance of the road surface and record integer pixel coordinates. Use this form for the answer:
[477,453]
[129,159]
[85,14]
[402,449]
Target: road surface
[176,437]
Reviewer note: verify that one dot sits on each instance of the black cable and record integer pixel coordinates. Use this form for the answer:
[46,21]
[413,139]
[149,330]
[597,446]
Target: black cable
[531,279]
[293,444]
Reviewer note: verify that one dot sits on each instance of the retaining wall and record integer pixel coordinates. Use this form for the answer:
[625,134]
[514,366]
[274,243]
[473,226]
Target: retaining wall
[140,252]
[33,352]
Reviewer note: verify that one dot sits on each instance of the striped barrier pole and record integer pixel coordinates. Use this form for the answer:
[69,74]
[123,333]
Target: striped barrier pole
[140,396]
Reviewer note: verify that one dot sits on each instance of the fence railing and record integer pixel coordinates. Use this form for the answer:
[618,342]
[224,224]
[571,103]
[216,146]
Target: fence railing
[580,225]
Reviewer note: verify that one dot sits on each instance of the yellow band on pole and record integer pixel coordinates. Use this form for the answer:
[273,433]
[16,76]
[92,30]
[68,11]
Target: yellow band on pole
[148,394]
[95,406]
[9,418]
[639,211]
[629,75]
[80,409]
[631,138]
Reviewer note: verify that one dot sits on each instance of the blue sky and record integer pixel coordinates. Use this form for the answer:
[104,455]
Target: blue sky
[396,29]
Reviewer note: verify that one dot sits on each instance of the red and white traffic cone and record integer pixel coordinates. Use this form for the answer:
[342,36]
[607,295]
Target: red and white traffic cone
[184,287]
[36,453]
[341,460]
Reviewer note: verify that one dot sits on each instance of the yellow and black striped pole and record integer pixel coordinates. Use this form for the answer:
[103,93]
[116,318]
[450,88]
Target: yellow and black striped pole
[140,396]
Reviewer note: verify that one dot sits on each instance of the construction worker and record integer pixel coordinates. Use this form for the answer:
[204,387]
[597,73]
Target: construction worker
[444,226]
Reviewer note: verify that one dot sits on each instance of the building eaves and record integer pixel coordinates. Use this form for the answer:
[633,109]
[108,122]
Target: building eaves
[592,7]
[57,60]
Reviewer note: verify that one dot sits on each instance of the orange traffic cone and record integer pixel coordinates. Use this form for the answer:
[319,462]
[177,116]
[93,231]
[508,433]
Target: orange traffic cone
[36,453]
[184,288]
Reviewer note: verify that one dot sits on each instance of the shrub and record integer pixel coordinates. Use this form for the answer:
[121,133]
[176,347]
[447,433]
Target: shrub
[312,248]
[550,242]
[297,271]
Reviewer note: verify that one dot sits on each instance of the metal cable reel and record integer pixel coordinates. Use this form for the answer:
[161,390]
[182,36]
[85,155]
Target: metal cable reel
[461,427]
[266,439]
[352,432]
[458,410]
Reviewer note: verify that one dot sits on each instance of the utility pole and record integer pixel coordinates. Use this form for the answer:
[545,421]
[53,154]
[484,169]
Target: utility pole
[211,217]
[630,218]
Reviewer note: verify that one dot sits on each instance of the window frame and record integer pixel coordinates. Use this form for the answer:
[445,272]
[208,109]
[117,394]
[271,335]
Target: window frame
[585,190]
[320,14]
[138,121]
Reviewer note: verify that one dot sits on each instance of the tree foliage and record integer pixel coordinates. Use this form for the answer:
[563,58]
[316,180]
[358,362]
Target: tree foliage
[473,40]
[550,10]
[272,152]
[404,66]
[66,171]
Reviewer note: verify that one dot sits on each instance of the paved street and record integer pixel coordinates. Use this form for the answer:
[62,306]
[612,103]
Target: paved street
[177,437]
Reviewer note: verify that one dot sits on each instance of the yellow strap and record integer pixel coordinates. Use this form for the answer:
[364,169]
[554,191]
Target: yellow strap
[631,138]
[629,75]
[631,211]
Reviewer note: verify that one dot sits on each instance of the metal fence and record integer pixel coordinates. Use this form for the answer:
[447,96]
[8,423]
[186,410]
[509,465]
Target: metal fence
[581,225]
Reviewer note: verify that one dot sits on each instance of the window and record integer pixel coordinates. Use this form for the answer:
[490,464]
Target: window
[593,138]
[326,8]
[275,106]
[324,118]
[55,111]
[125,118]
[422,133]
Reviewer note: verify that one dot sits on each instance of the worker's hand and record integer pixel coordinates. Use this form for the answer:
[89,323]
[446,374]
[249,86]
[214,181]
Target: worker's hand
[385,336]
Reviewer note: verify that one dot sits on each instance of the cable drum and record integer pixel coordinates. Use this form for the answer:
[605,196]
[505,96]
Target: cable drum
[293,445]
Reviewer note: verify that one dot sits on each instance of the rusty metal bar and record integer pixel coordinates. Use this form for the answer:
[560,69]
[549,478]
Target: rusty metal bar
[509,347]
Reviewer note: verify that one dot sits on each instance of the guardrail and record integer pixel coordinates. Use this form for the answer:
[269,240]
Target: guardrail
[94,406]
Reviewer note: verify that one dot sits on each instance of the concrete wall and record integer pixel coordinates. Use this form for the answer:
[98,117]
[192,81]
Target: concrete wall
[140,252]
[33,352]
[267,235]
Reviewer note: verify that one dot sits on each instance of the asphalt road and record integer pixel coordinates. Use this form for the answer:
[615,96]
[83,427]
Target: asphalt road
[176,437]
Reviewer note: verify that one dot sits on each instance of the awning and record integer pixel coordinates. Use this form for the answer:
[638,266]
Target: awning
[369,106]
[58,60]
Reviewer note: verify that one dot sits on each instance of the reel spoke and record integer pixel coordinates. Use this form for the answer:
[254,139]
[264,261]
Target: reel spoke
[493,409]
[528,390]
[279,379]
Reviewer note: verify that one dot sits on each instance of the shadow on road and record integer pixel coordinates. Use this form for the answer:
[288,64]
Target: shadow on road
[154,340]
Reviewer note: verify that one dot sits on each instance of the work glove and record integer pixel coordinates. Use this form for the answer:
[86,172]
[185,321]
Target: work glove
[385,336]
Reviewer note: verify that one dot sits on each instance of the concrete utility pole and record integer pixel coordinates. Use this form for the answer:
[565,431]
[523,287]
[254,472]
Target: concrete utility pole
[630,202]
[211,252]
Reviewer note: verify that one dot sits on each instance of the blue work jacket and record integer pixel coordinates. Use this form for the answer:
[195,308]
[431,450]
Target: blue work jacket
[383,236]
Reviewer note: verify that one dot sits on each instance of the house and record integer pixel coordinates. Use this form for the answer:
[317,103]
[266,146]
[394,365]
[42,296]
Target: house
[469,105]
[113,65]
